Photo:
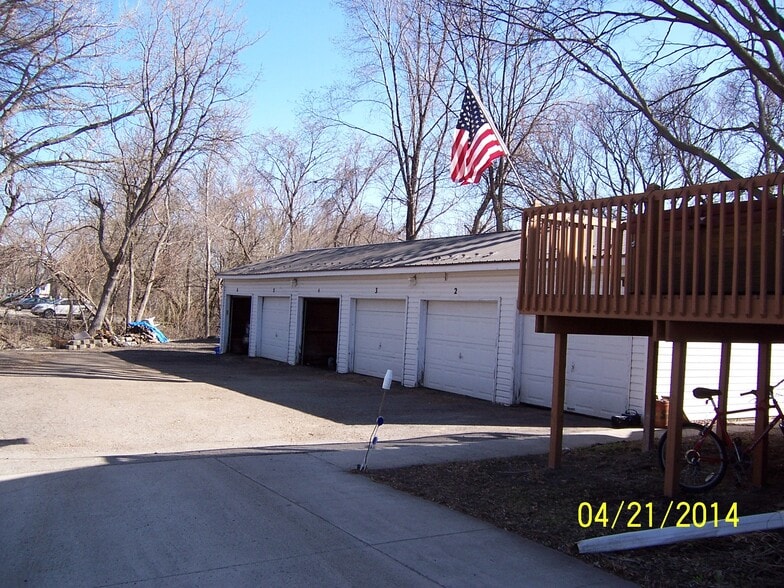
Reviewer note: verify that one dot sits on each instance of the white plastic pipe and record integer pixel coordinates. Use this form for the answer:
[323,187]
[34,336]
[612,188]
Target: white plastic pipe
[650,537]
[387,380]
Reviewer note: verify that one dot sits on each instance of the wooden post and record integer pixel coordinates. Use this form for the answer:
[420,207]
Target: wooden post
[724,386]
[761,418]
[672,467]
[557,409]
[650,395]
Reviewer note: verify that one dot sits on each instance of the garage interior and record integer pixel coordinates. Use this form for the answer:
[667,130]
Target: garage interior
[320,332]
[239,324]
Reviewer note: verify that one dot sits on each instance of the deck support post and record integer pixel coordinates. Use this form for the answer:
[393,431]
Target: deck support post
[724,386]
[557,406]
[672,467]
[763,413]
[650,395]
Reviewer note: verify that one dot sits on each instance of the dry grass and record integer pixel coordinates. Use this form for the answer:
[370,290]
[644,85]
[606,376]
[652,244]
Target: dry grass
[525,497]
[22,330]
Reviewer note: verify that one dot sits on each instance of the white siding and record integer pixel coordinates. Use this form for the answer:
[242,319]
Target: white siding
[702,369]
[253,331]
[638,373]
[410,376]
[508,353]
[295,329]
[344,325]
[475,284]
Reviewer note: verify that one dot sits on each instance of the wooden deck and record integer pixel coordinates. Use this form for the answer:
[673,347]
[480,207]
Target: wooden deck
[701,263]
[702,254]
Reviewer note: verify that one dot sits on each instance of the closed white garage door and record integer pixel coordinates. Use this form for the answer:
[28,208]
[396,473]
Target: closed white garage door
[598,371]
[461,347]
[379,337]
[274,328]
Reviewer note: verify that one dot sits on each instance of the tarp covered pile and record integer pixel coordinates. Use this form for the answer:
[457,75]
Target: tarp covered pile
[147,330]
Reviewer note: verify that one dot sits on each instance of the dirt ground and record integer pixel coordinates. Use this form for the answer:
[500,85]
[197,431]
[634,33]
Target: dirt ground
[182,397]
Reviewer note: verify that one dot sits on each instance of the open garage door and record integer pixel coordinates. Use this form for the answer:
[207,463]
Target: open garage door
[239,325]
[379,337]
[461,347]
[320,332]
[274,328]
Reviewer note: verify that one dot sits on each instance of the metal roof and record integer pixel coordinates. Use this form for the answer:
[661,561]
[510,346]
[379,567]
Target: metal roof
[444,251]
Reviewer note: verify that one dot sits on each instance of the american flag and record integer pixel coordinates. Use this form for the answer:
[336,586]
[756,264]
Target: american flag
[476,144]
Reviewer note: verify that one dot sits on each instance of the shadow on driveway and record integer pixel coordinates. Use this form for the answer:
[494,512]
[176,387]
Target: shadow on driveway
[344,398]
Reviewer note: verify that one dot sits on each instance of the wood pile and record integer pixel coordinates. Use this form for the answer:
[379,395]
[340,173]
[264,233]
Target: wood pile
[101,339]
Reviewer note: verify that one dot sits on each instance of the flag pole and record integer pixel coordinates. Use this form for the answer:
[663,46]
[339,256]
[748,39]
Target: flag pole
[500,140]
[488,118]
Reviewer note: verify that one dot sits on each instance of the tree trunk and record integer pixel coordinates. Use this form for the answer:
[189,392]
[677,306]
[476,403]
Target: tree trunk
[207,285]
[159,246]
[188,290]
[107,294]
[131,286]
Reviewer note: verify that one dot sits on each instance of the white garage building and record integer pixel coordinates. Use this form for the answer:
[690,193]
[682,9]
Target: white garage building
[439,313]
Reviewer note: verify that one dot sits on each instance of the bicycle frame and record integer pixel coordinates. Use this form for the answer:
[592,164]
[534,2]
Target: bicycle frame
[778,419]
[705,455]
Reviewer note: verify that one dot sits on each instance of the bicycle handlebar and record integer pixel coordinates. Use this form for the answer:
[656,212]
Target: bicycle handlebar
[770,389]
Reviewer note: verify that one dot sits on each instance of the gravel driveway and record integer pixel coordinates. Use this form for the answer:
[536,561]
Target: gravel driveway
[60,406]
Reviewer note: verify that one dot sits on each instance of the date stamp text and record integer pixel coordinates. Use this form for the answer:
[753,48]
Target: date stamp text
[647,515]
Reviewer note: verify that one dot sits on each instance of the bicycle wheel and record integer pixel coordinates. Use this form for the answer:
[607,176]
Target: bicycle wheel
[702,456]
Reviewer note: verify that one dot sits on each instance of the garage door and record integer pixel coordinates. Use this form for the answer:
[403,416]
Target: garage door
[274,340]
[379,331]
[598,374]
[598,371]
[461,347]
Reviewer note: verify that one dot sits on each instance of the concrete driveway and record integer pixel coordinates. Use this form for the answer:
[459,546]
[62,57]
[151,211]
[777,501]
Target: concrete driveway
[170,465]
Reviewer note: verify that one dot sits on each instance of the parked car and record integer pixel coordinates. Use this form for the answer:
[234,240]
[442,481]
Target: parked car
[31,301]
[61,307]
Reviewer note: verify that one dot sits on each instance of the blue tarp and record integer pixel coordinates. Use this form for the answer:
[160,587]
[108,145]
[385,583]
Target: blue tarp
[147,325]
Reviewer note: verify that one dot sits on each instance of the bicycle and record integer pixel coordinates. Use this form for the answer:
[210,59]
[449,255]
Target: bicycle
[705,455]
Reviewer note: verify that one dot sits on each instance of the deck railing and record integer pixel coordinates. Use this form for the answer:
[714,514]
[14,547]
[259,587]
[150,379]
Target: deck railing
[702,253]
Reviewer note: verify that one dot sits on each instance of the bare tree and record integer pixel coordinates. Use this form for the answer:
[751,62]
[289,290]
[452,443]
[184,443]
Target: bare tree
[157,240]
[404,79]
[519,82]
[49,54]
[291,170]
[343,218]
[716,48]
[185,56]
[227,225]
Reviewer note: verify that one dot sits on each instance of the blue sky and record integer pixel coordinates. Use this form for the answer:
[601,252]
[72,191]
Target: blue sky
[296,53]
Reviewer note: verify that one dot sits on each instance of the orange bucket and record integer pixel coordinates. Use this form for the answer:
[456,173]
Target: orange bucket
[662,414]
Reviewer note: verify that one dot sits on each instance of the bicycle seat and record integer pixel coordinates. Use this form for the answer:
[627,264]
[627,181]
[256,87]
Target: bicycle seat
[705,393]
